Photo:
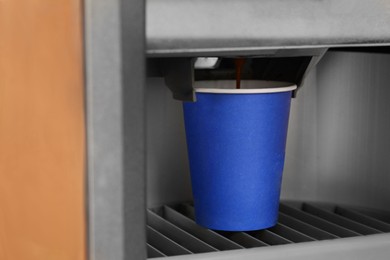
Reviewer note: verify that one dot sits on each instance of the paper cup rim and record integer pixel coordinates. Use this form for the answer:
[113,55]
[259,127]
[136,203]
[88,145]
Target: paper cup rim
[248,87]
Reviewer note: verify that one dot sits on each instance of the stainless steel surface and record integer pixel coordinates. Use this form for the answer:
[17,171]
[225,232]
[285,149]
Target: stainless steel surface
[114,46]
[167,176]
[375,247]
[338,142]
[181,216]
[247,27]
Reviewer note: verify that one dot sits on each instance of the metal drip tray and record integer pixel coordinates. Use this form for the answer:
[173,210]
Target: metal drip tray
[172,231]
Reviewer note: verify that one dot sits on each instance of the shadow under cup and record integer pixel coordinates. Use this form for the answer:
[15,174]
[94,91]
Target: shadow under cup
[236,142]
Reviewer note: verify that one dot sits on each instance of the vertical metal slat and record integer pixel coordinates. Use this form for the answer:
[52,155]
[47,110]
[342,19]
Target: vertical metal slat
[164,244]
[366,220]
[115,113]
[180,236]
[290,234]
[305,228]
[208,236]
[317,222]
[153,252]
[340,220]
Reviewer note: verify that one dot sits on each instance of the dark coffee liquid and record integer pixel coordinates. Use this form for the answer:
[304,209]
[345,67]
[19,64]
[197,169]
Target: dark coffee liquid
[239,62]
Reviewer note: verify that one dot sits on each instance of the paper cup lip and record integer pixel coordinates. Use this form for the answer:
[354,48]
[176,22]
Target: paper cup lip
[247,86]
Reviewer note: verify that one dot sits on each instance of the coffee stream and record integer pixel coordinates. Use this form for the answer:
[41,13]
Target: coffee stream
[239,62]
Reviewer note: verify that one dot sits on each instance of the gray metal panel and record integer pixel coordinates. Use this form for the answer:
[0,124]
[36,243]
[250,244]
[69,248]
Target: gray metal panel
[223,27]
[134,126]
[168,178]
[114,47]
[338,143]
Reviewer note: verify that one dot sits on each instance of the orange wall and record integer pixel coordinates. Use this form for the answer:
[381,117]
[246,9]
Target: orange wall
[41,130]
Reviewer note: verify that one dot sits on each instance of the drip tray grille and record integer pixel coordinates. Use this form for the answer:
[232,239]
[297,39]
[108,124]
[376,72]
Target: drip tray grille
[171,230]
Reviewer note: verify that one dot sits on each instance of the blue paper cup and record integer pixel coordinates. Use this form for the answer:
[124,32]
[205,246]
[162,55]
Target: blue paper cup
[236,142]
